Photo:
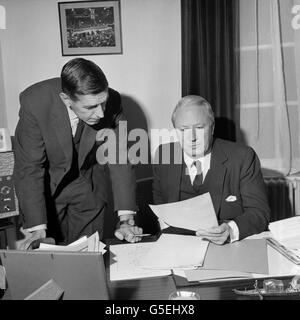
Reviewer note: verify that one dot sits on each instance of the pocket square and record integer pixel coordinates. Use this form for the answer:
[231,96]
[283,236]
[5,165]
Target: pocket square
[231,199]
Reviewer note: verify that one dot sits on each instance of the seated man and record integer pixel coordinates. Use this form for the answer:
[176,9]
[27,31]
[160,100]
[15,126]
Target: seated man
[230,172]
[60,185]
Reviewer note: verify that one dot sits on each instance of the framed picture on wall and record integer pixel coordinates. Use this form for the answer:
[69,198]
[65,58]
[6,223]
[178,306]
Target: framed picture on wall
[90,27]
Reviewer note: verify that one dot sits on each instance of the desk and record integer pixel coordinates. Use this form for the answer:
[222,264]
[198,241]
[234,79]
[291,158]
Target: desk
[159,288]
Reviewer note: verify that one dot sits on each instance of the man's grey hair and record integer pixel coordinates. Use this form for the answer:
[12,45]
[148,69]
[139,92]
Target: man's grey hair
[196,101]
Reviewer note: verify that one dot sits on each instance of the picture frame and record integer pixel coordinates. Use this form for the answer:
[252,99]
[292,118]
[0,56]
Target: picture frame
[90,27]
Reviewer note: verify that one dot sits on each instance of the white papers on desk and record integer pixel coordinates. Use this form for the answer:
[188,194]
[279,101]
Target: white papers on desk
[287,232]
[192,214]
[126,259]
[90,244]
[172,251]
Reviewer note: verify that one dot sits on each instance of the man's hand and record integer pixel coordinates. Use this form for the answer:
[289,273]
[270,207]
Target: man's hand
[126,229]
[35,235]
[218,235]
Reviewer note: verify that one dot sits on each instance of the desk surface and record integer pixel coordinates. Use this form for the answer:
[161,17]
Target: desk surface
[160,288]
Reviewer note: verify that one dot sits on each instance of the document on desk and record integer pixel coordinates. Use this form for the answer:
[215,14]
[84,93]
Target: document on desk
[172,251]
[126,260]
[244,256]
[209,275]
[192,214]
[287,232]
[89,244]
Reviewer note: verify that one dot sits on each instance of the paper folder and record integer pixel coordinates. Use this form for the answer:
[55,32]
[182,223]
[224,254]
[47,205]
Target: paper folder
[244,256]
[81,275]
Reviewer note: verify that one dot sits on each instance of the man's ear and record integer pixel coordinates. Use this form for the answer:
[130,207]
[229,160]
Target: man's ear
[65,98]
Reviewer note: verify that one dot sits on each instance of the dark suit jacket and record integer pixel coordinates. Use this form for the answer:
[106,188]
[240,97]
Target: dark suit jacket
[43,147]
[234,171]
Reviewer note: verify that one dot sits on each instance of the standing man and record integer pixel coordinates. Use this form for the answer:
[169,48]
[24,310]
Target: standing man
[229,171]
[60,186]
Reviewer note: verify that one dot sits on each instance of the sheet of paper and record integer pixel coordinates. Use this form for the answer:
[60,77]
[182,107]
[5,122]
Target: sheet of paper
[101,247]
[91,243]
[84,244]
[126,261]
[287,232]
[192,214]
[245,256]
[175,251]
[205,275]
[46,246]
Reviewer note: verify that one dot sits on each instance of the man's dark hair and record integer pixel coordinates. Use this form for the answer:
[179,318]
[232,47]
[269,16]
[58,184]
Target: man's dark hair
[81,77]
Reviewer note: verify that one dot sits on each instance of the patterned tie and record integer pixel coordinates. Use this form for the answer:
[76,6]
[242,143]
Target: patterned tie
[198,181]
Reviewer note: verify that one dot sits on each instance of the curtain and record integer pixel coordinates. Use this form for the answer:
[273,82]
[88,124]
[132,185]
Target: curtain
[210,66]
[269,104]
[282,134]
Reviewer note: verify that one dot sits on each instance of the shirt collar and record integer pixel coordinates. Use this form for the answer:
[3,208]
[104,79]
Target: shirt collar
[190,161]
[72,114]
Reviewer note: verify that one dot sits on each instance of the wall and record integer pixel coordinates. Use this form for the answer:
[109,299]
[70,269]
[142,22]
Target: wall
[3,116]
[147,74]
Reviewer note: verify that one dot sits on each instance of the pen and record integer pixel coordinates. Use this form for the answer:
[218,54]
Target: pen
[120,236]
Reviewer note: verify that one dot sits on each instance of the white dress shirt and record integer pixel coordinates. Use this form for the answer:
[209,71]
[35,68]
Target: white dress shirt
[205,165]
[73,122]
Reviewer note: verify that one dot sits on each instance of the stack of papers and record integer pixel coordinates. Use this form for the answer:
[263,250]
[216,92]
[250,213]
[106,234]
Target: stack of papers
[172,251]
[126,260]
[153,259]
[242,259]
[287,232]
[192,214]
[89,244]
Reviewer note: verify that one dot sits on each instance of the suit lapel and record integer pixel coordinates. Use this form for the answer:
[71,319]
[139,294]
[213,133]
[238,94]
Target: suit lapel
[174,172]
[216,174]
[174,180]
[61,123]
[87,141]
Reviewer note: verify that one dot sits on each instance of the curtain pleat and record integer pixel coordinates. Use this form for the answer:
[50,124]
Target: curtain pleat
[209,57]
[283,130]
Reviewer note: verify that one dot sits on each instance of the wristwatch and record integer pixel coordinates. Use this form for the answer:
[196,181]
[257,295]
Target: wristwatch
[129,222]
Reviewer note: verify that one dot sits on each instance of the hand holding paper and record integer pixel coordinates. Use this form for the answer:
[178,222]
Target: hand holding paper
[192,214]
[217,235]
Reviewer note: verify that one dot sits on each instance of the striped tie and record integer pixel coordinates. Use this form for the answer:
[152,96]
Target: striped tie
[198,181]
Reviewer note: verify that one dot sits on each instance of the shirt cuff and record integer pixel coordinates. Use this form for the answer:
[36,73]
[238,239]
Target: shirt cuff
[234,231]
[35,228]
[122,212]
